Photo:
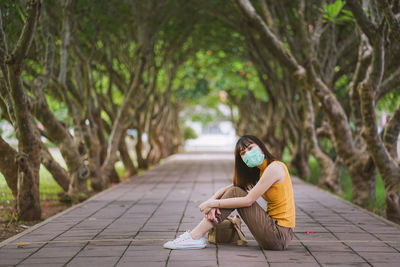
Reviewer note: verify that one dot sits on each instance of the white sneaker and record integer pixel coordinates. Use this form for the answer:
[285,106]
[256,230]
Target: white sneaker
[185,241]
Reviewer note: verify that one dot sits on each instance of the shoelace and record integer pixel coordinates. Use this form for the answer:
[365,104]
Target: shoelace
[182,237]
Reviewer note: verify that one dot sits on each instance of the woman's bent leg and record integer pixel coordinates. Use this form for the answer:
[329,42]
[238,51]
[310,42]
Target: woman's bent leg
[201,229]
[260,224]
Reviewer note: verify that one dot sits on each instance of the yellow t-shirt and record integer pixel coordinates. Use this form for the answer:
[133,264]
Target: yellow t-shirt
[280,199]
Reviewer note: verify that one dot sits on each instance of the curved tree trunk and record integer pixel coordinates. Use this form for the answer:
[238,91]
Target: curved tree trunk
[300,158]
[9,167]
[330,174]
[58,134]
[391,173]
[142,164]
[120,120]
[29,145]
[130,169]
[363,176]
[97,180]
[383,152]
[330,177]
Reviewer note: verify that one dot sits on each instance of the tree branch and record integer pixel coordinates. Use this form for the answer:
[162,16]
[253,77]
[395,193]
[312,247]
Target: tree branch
[391,20]
[268,16]
[25,40]
[3,48]
[274,45]
[364,61]
[367,90]
[8,166]
[66,39]
[389,84]
[362,21]
[391,133]
[335,112]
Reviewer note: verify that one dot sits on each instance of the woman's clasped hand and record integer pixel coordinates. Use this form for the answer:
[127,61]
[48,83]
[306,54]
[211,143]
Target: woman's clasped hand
[209,211]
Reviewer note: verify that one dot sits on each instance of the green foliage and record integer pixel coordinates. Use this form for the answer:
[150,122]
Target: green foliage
[347,185]
[203,76]
[189,133]
[200,89]
[203,117]
[13,20]
[119,168]
[331,13]
[327,147]
[315,171]
[59,109]
[390,101]
[65,198]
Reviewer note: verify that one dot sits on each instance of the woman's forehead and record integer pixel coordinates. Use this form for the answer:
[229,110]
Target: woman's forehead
[245,145]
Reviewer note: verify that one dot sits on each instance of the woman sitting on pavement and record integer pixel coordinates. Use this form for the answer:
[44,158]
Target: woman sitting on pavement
[257,173]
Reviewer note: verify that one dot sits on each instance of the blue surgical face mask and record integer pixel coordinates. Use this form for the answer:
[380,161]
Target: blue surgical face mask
[253,157]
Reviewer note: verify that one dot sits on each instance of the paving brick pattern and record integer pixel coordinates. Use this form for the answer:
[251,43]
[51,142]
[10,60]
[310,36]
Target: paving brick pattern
[127,225]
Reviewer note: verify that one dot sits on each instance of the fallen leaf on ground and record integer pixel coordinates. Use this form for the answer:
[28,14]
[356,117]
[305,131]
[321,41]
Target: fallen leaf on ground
[21,244]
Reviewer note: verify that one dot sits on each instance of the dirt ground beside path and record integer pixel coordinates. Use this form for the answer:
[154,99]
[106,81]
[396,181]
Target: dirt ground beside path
[8,229]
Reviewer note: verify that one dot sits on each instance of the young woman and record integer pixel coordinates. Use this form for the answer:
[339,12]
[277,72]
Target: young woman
[256,174]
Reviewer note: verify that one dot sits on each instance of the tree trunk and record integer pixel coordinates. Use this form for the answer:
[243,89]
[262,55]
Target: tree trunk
[114,177]
[100,133]
[387,165]
[392,187]
[58,134]
[97,180]
[300,158]
[382,152]
[70,148]
[29,145]
[363,176]
[391,177]
[357,160]
[330,175]
[130,169]
[120,120]
[142,164]
[330,172]
[8,166]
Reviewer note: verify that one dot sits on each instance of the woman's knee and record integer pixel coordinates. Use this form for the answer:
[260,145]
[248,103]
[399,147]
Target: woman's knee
[276,244]
[234,191]
[273,246]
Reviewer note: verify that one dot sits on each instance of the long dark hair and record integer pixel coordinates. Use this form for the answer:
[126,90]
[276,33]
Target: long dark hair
[244,176]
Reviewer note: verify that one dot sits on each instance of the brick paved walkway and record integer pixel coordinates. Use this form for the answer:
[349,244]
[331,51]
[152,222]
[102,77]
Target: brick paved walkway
[128,224]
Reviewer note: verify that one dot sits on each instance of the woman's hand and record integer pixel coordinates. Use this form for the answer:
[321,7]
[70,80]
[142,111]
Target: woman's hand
[211,214]
[205,207]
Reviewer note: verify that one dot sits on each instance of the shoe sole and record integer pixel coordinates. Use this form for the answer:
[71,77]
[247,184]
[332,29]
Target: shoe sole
[185,248]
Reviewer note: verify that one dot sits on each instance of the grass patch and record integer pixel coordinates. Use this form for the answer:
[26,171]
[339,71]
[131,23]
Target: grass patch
[48,188]
[377,206]
[119,168]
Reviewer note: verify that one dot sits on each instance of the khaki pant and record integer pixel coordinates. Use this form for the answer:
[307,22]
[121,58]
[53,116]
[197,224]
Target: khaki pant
[264,228]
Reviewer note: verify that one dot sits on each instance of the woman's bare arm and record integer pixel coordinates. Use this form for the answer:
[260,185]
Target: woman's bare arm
[272,174]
